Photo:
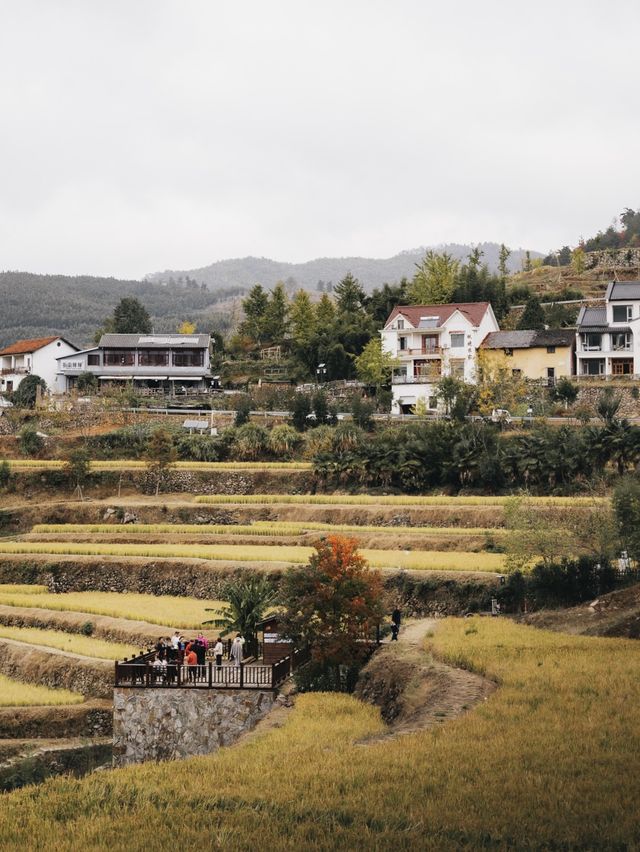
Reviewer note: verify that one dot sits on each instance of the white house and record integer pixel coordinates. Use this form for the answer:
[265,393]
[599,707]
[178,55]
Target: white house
[38,357]
[150,362]
[608,336]
[432,341]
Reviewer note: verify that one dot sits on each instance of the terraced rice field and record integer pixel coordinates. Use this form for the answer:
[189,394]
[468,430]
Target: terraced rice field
[424,560]
[76,643]
[14,693]
[165,609]
[389,500]
[258,528]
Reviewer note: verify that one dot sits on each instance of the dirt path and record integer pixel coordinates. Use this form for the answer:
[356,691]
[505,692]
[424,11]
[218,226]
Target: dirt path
[415,691]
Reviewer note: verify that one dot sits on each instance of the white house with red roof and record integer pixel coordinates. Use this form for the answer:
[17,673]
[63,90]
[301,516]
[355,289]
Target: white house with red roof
[432,341]
[36,357]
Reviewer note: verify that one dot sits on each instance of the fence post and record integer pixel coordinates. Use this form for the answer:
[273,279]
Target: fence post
[178,667]
[241,675]
[116,679]
[147,675]
[210,674]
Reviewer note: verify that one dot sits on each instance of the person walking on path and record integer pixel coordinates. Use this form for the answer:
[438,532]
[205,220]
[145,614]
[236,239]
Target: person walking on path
[394,631]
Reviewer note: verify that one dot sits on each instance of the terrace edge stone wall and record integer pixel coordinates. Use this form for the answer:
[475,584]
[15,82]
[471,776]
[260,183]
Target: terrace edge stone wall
[168,724]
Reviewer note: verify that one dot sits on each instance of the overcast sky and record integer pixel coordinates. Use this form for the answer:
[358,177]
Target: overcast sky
[140,135]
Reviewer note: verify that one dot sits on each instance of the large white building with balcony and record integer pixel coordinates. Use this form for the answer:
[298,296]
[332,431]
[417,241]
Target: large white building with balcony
[38,357]
[431,341]
[162,363]
[608,336]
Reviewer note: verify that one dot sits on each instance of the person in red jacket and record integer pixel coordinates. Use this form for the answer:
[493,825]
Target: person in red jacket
[192,662]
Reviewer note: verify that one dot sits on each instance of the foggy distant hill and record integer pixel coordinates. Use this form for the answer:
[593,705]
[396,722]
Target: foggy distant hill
[372,272]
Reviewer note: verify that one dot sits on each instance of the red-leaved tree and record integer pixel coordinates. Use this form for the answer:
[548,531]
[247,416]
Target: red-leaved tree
[333,603]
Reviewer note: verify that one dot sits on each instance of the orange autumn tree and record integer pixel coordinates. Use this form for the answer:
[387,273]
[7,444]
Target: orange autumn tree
[333,603]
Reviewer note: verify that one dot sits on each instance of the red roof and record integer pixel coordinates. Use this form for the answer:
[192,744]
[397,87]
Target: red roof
[474,311]
[22,347]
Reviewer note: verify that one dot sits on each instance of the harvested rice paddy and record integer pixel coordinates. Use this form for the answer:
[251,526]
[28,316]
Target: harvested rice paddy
[421,560]
[134,464]
[14,693]
[164,609]
[75,643]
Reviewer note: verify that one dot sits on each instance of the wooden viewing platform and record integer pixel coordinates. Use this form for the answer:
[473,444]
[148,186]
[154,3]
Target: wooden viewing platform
[141,673]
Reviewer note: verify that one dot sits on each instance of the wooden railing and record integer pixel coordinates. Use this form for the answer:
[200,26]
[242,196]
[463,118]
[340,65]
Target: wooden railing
[141,672]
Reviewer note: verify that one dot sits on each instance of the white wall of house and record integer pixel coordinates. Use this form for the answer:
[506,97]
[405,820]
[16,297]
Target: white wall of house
[427,354]
[42,362]
[611,347]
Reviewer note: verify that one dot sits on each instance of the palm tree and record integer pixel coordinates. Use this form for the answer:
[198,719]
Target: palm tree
[247,603]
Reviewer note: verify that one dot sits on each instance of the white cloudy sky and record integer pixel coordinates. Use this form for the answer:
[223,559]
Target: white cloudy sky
[138,135]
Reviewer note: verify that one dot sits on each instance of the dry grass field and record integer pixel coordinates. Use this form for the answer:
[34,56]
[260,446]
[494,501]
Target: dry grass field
[549,761]
[421,560]
[164,609]
[133,464]
[76,643]
[14,693]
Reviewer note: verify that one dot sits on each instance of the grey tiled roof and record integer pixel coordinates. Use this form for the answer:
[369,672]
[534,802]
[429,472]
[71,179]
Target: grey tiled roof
[620,291]
[555,337]
[509,339]
[151,341]
[595,318]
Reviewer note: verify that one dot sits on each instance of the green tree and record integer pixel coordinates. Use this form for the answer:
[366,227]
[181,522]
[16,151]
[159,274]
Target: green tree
[130,317]
[533,316]
[626,506]
[578,260]
[87,383]
[160,454]
[325,312]
[283,439]
[503,259]
[350,296]
[566,391]
[332,603]
[27,391]
[434,280]
[5,474]
[254,308]
[30,442]
[77,467]
[248,601]
[303,319]
[301,410]
[456,396]
[276,315]
[243,411]
[374,365]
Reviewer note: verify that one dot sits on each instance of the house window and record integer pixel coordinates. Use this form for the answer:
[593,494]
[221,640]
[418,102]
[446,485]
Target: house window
[120,358]
[93,360]
[593,367]
[592,342]
[621,341]
[457,368]
[457,340]
[188,358]
[400,323]
[430,343]
[551,349]
[622,313]
[153,358]
[432,402]
[402,341]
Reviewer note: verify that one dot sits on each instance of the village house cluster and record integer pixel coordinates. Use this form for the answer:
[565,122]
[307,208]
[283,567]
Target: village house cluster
[428,342]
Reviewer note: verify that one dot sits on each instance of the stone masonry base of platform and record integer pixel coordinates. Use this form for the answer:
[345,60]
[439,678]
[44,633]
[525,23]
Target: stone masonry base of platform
[165,724]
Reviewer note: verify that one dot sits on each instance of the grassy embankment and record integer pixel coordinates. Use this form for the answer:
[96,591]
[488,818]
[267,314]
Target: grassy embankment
[74,642]
[391,500]
[165,609]
[418,560]
[550,760]
[14,693]
[134,464]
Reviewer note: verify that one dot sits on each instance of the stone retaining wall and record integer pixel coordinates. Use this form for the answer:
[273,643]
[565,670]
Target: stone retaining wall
[165,724]
[49,667]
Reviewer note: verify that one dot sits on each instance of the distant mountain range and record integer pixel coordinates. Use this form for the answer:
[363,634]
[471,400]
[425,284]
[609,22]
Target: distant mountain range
[371,272]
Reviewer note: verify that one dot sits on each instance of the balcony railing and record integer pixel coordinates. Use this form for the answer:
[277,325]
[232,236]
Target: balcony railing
[415,380]
[14,371]
[431,350]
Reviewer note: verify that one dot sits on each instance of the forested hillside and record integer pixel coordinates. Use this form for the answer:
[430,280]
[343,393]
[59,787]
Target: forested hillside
[324,273]
[38,305]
